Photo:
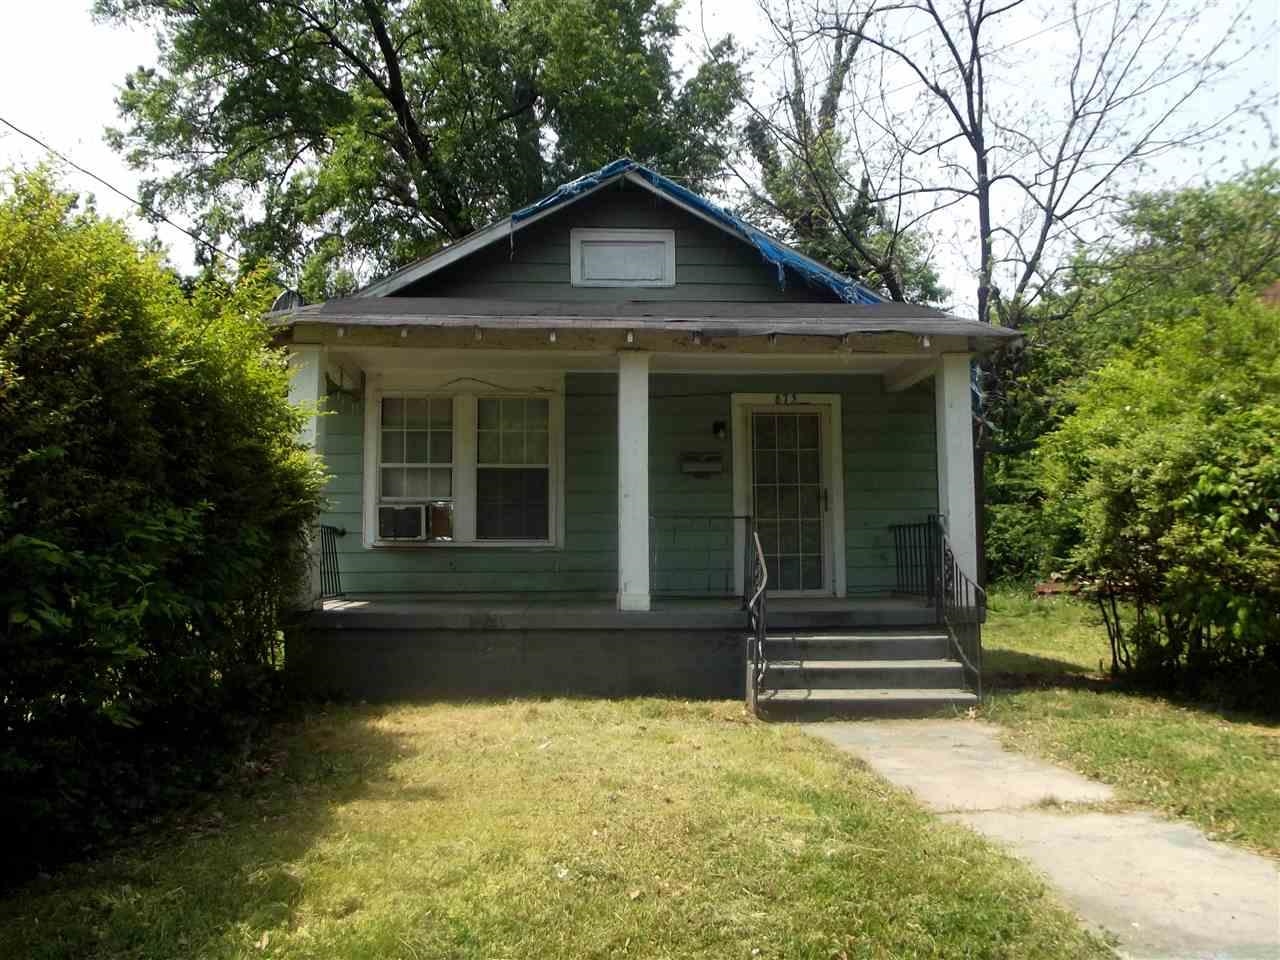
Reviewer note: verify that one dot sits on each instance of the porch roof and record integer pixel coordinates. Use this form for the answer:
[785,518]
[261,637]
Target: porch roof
[715,318]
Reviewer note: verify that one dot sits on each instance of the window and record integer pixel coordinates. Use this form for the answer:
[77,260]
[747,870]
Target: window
[464,469]
[415,469]
[513,468]
[622,258]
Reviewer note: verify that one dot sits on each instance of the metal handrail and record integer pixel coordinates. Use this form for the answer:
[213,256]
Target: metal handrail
[926,567]
[756,622]
[962,604]
[330,574]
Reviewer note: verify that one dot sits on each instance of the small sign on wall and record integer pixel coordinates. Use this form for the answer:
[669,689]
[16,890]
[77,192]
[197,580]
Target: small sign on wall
[702,464]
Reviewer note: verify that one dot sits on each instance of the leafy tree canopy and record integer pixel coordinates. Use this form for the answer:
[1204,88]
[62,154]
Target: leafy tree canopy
[1220,240]
[360,134]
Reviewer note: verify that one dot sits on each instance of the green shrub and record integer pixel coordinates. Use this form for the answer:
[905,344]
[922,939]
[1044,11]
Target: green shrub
[1164,485]
[152,503]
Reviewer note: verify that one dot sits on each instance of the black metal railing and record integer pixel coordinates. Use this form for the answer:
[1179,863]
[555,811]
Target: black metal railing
[757,620]
[330,575]
[916,554]
[694,553]
[925,566]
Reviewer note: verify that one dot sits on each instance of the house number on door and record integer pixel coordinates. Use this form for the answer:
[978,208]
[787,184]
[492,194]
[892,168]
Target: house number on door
[784,399]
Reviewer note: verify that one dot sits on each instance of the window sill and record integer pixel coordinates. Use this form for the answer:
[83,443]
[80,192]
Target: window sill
[463,545]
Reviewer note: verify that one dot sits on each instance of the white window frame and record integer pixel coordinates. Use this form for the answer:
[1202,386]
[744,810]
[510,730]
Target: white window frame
[464,459]
[580,234]
[423,502]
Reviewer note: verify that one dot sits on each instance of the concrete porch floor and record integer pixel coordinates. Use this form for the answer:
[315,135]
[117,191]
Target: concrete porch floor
[576,611]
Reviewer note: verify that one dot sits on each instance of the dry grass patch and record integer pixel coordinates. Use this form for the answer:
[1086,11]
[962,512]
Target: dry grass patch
[551,829]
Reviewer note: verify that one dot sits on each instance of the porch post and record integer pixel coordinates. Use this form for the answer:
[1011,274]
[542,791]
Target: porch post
[306,386]
[633,481]
[954,431]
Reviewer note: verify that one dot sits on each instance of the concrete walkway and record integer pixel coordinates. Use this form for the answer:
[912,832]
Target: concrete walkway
[1162,889]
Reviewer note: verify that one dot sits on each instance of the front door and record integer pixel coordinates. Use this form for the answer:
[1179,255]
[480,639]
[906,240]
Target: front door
[789,498]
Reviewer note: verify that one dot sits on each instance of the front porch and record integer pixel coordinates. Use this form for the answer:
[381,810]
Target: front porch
[390,647]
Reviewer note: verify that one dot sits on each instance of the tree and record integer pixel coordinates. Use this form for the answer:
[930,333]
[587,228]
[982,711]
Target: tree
[803,158]
[944,115]
[1164,488]
[1220,241]
[364,133]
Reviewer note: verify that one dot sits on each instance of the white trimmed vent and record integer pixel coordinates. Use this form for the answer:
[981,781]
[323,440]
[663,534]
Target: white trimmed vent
[622,258]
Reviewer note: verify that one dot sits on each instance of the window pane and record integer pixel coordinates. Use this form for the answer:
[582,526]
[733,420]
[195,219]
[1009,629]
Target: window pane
[512,504]
[392,446]
[415,446]
[441,413]
[487,412]
[393,482]
[415,412]
[392,411]
[441,447]
[512,447]
[415,483]
[441,482]
[535,449]
[490,447]
[536,414]
[512,415]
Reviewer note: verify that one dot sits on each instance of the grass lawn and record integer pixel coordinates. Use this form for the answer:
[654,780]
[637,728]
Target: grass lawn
[1045,688]
[565,829]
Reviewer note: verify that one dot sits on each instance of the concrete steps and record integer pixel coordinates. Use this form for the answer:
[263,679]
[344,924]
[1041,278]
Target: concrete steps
[815,674]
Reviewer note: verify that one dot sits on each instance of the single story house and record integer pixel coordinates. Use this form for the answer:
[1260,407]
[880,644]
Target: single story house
[623,442]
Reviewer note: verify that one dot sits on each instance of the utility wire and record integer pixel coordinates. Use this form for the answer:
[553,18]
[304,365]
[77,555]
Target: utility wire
[150,211]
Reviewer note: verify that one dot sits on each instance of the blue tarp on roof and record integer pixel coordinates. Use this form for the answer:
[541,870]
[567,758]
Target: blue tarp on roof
[781,257]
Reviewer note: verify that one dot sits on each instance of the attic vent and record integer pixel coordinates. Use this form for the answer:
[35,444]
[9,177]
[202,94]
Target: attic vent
[622,258]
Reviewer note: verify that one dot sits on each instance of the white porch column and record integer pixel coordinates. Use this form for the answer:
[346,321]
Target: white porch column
[954,426]
[633,481]
[306,386]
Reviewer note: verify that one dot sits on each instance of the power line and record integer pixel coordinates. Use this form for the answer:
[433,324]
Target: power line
[150,211]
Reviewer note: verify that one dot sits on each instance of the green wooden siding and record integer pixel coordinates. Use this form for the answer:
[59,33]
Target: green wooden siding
[710,264]
[890,477]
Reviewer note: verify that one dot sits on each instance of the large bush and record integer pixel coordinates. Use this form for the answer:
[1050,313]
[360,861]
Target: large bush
[1220,241]
[1164,485]
[153,499]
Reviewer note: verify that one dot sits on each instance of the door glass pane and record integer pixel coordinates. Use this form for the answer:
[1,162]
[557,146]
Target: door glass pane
[392,412]
[490,447]
[786,432]
[487,413]
[766,466]
[808,466]
[807,432]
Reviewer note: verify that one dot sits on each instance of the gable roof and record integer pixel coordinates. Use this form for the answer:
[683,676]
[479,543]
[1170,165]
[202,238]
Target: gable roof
[773,251]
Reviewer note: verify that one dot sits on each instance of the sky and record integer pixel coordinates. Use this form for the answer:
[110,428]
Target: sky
[60,85]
